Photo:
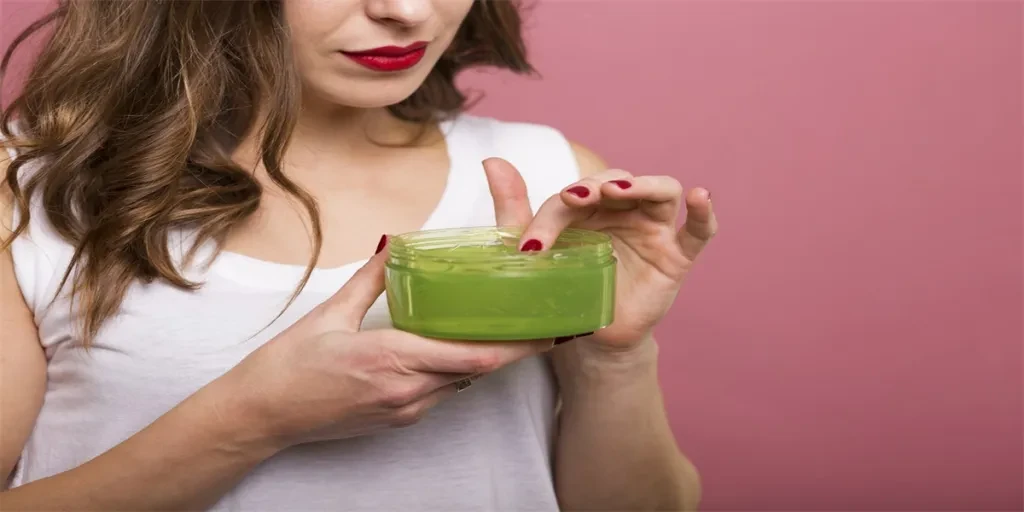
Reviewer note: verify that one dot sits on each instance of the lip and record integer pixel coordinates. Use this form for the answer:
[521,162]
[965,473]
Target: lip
[389,58]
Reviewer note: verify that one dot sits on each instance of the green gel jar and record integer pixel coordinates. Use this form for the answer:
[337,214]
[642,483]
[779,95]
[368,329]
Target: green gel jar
[474,284]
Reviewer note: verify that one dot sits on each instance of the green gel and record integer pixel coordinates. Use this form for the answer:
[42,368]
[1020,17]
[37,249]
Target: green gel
[473,284]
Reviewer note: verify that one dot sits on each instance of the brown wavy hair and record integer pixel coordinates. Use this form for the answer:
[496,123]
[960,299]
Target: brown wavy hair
[135,108]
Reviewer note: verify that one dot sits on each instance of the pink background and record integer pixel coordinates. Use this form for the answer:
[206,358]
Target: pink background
[852,340]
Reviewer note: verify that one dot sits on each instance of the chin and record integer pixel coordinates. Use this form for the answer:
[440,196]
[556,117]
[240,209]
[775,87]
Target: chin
[367,94]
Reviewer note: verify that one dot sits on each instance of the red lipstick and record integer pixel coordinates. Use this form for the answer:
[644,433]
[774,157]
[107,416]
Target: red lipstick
[390,58]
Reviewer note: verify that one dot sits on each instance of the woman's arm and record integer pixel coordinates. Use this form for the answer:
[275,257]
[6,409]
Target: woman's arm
[185,460]
[615,449]
[22,362]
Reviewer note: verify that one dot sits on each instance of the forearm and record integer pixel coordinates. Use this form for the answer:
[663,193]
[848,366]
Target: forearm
[186,460]
[616,450]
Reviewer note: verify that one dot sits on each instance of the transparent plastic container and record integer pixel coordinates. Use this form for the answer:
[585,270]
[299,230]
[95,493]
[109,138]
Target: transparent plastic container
[474,284]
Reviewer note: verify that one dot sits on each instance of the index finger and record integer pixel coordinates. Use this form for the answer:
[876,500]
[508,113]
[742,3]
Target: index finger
[511,202]
[464,357]
[576,203]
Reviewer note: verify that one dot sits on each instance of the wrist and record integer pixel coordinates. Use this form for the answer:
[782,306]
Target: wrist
[235,420]
[641,355]
[589,366]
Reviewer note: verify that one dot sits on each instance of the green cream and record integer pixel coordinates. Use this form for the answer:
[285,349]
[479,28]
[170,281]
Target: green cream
[473,284]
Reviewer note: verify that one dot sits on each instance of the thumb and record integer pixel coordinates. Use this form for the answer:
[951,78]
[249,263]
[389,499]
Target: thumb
[349,305]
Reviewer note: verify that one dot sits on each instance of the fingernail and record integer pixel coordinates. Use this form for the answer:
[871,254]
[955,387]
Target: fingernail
[564,339]
[381,244]
[579,191]
[623,184]
[532,245]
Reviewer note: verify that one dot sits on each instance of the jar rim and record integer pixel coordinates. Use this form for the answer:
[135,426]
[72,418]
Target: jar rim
[572,244]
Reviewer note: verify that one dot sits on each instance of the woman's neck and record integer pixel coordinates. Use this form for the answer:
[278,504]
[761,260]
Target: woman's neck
[335,132]
[352,129]
[352,163]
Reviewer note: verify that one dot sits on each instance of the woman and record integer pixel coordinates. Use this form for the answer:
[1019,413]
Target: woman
[202,166]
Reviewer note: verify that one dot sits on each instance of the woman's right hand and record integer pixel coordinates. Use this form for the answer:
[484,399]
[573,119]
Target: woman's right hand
[325,379]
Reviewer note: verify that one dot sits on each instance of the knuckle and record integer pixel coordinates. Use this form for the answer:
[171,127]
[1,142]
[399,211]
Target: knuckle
[485,362]
[393,361]
[399,396]
[556,201]
[408,416]
[710,231]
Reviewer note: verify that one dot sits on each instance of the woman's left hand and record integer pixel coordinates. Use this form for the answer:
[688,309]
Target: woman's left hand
[640,214]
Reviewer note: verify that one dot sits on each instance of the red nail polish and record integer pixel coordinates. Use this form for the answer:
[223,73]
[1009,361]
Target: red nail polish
[623,184]
[532,245]
[579,191]
[381,244]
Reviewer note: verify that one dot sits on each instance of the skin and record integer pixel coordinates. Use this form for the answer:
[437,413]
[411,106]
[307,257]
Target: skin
[615,450]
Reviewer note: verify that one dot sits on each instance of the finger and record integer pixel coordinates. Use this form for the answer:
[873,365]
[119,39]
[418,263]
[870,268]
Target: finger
[508,190]
[465,358]
[435,397]
[574,204]
[658,196]
[701,224]
[349,305]
[411,413]
[552,218]
[587,192]
[421,383]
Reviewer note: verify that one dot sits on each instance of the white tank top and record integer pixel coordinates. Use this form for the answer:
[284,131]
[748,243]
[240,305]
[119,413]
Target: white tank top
[489,448]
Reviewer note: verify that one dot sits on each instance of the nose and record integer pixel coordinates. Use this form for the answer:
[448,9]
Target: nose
[400,12]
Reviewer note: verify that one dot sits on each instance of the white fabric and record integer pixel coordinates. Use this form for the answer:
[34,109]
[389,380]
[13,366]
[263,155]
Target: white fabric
[489,448]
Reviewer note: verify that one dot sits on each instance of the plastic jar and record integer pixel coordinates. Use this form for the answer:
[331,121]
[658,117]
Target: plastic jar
[474,284]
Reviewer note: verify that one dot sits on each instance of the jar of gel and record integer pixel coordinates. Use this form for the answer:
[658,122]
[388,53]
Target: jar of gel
[474,284]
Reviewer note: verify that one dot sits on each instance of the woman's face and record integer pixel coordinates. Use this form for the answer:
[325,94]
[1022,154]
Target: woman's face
[369,53]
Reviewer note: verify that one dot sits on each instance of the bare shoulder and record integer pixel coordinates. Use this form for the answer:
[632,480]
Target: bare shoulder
[590,163]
